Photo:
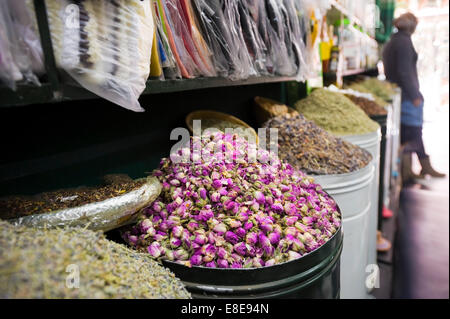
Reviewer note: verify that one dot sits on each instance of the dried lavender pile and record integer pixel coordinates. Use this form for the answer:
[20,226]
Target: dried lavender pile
[33,264]
[335,113]
[313,150]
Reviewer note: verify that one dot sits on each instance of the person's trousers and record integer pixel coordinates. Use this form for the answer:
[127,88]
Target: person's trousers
[411,139]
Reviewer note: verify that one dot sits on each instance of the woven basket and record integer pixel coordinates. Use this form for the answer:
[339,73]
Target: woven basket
[207,114]
[265,109]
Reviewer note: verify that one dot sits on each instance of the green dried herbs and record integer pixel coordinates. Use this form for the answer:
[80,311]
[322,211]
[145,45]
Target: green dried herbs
[371,108]
[19,206]
[335,113]
[313,150]
[383,89]
[357,86]
[36,263]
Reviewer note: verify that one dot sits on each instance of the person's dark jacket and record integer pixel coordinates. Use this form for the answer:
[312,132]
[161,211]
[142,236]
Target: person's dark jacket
[400,65]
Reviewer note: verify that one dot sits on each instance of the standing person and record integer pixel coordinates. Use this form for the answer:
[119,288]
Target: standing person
[400,65]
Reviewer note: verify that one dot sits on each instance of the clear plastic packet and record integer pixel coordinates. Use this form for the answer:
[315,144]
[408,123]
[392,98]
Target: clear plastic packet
[168,59]
[24,21]
[104,45]
[201,46]
[253,40]
[186,71]
[279,49]
[9,72]
[297,39]
[179,32]
[243,63]
[303,12]
[217,35]
[13,39]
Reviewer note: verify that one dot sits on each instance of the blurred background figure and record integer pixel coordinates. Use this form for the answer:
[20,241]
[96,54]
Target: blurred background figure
[400,65]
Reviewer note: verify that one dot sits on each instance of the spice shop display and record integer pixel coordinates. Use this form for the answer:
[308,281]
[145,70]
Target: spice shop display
[227,211]
[313,150]
[78,263]
[101,208]
[335,113]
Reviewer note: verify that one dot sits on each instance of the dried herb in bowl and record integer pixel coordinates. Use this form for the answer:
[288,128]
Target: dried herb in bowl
[335,113]
[313,150]
[18,206]
[38,263]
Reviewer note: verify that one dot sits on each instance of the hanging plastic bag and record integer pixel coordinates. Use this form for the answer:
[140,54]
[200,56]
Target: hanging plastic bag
[9,72]
[168,59]
[244,62]
[24,21]
[253,40]
[104,45]
[201,46]
[13,41]
[276,27]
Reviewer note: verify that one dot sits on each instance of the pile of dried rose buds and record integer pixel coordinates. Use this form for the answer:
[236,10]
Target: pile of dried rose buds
[232,212]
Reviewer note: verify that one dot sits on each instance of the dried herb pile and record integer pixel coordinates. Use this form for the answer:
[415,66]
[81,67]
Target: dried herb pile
[313,150]
[383,89]
[18,206]
[33,264]
[371,108]
[357,86]
[335,113]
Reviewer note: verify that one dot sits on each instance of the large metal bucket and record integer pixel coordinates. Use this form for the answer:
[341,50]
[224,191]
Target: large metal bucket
[352,193]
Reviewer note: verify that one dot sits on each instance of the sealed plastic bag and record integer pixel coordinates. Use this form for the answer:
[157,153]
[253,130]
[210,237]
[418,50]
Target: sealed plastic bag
[244,61]
[24,21]
[16,52]
[278,44]
[202,48]
[104,45]
[168,59]
[253,40]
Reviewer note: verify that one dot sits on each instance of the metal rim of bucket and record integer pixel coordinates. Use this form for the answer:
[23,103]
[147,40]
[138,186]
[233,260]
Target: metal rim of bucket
[305,269]
[356,183]
[364,140]
[268,288]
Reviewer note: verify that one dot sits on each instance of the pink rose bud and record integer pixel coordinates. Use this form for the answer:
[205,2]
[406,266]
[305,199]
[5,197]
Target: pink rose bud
[270,262]
[215,197]
[177,231]
[240,232]
[202,192]
[175,242]
[132,239]
[220,228]
[274,238]
[251,238]
[154,249]
[248,225]
[222,263]
[196,260]
[293,255]
[259,196]
[290,221]
[231,237]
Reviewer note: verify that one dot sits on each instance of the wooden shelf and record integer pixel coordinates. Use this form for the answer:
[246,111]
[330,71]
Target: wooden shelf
[27,94]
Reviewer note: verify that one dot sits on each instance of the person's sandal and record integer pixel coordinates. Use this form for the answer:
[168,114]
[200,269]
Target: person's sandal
[383,245]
